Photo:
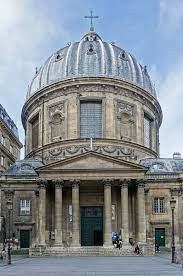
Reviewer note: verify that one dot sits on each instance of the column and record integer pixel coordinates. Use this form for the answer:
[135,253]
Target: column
[37,216]
[42,213]
[58,213]
[75,214]
[141,212]
[124,212]
[107,214]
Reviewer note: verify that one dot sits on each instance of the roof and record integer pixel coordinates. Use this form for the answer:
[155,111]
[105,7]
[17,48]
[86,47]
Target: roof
[8,121]
[25,167]
[163,165]
[91,57]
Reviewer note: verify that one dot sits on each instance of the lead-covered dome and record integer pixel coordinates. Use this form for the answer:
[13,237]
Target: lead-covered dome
[91,57]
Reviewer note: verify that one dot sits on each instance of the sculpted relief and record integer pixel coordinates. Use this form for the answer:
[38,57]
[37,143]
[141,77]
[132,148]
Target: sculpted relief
[125,121]
[57,121]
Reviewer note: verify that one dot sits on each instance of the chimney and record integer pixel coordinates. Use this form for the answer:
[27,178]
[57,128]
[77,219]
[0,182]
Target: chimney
[176,155]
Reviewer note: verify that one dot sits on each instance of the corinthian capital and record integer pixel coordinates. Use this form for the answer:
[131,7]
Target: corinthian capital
[124,183]
[42,183]
[141,183]
[107,182]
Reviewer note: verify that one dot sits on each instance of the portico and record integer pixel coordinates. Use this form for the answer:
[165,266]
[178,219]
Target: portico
[83,189]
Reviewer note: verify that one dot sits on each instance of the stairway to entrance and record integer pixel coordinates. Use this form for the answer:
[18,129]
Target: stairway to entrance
[81,251]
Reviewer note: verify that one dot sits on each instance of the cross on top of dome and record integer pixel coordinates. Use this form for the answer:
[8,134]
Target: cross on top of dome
[91,17]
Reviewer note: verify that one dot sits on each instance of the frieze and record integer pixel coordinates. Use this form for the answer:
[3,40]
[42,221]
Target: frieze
[64,152]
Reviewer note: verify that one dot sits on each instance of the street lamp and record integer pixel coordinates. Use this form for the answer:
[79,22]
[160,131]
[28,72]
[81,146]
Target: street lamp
[172,205]
[9,208]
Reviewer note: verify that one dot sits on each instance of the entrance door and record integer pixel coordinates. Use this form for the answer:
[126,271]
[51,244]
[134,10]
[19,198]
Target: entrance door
[91,226]
[24,238]
[160,236]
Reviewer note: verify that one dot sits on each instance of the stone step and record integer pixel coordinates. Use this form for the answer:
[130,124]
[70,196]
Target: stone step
[81,251]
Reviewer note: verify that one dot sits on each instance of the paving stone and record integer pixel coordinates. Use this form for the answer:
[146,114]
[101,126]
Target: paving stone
[92,266]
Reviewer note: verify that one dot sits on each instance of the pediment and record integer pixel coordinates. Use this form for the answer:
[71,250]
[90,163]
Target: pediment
[92,161]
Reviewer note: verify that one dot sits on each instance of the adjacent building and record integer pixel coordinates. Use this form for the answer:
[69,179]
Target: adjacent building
[92,164]
[10,144]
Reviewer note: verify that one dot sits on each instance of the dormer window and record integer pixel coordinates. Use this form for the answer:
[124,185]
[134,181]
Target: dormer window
[91,50]
[58,57]
[123,55]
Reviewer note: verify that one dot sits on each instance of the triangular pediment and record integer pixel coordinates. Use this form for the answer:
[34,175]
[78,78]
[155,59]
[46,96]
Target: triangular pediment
[92,161]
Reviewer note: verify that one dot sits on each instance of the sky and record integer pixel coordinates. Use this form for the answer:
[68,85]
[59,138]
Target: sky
[151,30]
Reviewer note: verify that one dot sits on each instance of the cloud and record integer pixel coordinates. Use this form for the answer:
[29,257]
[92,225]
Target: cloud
[27,32]
[170,97]
[171,15]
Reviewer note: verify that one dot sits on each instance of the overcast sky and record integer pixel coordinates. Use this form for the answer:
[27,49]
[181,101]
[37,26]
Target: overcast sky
[151,30]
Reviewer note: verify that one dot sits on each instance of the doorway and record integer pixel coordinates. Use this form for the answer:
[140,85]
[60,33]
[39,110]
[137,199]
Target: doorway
[160,236]
[24,238]
[91,226]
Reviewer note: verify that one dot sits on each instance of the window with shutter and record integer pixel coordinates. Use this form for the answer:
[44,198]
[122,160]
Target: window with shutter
[147,132]
[91,119]
[35,132]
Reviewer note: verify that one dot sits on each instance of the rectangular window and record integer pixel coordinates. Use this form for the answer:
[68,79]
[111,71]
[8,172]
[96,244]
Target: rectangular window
[11,149]
[70,213]
[113,212]
[24,206]
[2,140]
[35,132]
[147,132]
[91,119]
[3,161]
[159,205]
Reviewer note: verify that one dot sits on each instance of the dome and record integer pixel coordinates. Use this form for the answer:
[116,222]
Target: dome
[91,57]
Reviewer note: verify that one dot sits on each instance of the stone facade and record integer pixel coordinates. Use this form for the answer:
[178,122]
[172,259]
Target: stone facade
[70,192]
[9,141]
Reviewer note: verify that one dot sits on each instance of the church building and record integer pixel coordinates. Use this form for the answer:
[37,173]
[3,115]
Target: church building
[92,165]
